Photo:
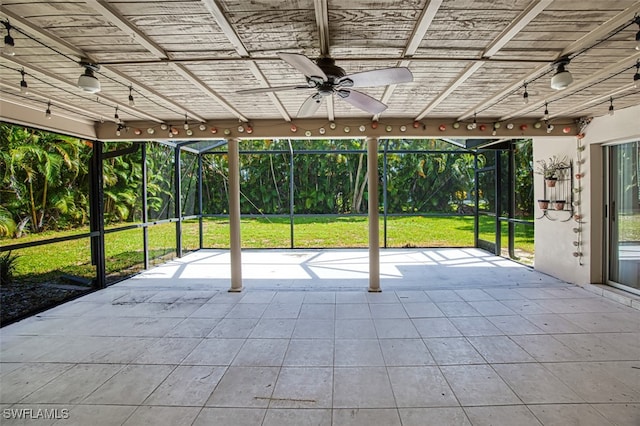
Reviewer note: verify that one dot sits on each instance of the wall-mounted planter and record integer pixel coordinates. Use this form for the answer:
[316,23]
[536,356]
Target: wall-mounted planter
[551,182]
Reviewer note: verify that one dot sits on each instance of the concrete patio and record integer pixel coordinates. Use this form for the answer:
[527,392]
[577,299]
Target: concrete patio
[457,337]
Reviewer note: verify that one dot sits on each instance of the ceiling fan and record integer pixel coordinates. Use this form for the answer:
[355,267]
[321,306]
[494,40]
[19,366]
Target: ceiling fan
[326,78]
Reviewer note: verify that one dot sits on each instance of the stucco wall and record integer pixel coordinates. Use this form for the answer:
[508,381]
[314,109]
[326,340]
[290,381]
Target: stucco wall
[554,239]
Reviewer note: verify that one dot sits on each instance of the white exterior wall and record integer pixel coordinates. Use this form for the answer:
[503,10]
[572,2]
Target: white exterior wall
[554,239]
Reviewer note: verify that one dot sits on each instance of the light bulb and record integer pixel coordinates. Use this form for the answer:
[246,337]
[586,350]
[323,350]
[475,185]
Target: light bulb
[545,116]
[9,45]
[24,88]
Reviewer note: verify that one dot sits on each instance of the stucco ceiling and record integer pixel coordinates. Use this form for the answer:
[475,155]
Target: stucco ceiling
[190,57]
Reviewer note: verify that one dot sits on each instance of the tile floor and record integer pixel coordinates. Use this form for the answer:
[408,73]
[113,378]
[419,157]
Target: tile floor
[457,337]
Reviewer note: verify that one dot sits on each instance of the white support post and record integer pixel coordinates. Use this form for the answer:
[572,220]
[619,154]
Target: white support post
[234,215]
[374,222]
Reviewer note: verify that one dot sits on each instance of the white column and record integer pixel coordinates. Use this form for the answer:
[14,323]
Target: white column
[374,222]
[234,215]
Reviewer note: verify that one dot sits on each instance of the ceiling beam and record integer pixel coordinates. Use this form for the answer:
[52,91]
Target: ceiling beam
[118,20]
[188,75]
[51,76]
[66,110]
[587,40]
[109,12]
[462,77]
[43,34]
[322,23]
[419,31]
[216,11]
[321,10]
[17,111]
[522,20]
[593,79]
[60,44]
[595,100]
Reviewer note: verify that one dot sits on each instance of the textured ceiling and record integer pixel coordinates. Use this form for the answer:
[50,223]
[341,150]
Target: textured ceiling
[191,57]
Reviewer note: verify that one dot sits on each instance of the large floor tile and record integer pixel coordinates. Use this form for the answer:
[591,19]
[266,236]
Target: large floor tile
[28,378]
[358,352]
[420,387]
[405,352]
[479,385]
[163,416]
[570,414]
[620,414]
[453,350]
[502,416]
[214,352]
[230,416]
[187,386]
[97,415]
[534,384]
[448,416]
[74,384]
[309,353]
[303,387]
[362,387]
[499,349]
[261,352]
[592,381]
[297,417]
[366,417]
[245,387]
[131,385]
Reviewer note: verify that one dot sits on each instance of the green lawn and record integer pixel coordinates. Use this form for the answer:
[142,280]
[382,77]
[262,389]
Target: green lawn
[124,249]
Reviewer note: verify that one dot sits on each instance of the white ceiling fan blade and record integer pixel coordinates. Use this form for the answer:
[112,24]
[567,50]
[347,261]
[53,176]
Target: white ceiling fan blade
[362,101]
[310,106]
[271,89]
[303,64]
[380,77]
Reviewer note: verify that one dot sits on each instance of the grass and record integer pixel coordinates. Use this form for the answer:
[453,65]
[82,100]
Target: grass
[124,249]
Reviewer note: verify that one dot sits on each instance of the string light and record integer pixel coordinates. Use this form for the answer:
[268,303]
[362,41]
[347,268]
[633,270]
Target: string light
[549,127]
[525,95]
[47,113]
[9,43]
[636,19]
[636,76]
[611,105]
[186,123]
[546,112]
[132,102]
[116,116]
[475,122]
[24,88]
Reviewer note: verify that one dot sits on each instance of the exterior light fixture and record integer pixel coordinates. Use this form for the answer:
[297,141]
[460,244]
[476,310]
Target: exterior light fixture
[9,45]
[636,20]
[562,78]
[88,81]
[24,88]
[611,105]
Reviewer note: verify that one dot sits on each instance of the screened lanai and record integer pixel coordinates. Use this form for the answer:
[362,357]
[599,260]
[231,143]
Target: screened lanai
[320,212]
